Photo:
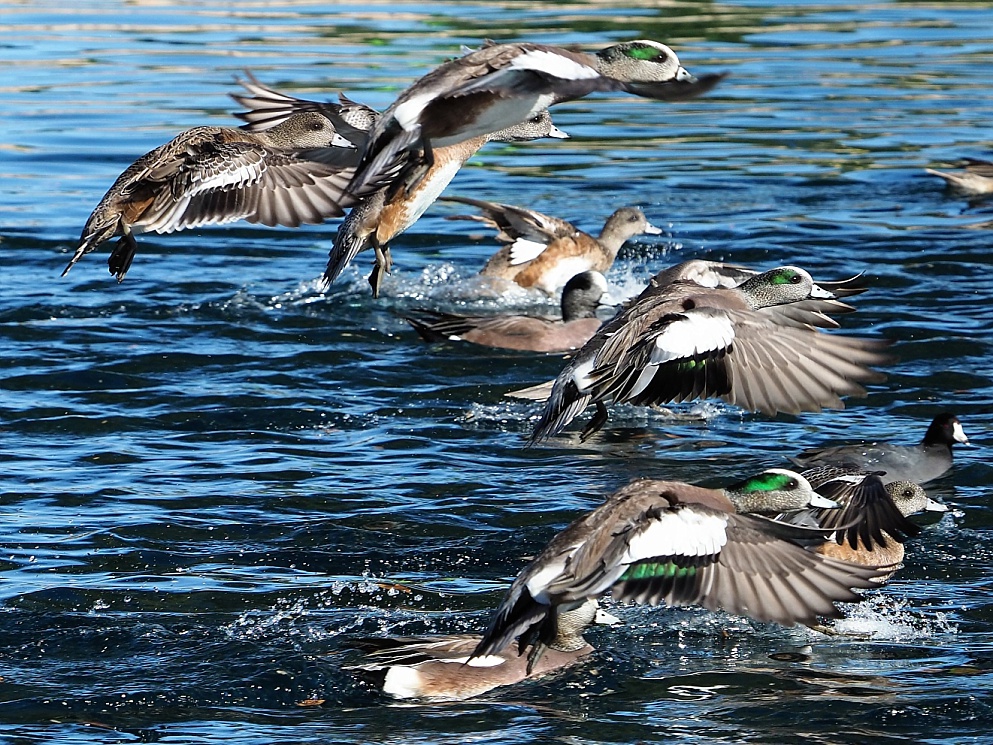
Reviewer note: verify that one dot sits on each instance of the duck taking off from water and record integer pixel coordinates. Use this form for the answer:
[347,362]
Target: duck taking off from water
[501,85]
[758,345]
[381,214]
[672,543]
[214,175]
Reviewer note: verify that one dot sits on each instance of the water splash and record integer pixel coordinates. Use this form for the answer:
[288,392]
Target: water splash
[882,617]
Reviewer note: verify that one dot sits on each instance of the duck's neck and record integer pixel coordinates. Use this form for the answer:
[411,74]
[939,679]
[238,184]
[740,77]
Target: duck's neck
[611,240]
[569,628]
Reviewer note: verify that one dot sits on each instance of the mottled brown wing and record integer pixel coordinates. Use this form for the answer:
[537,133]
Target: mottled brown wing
[867,512]
[513,222]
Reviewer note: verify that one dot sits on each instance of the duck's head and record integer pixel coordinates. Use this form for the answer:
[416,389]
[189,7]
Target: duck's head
[628,222]
[571,623]
[641,61]
[773,491]
[308,129]
[581,295]
[538,126]
[910,498]
[779,286]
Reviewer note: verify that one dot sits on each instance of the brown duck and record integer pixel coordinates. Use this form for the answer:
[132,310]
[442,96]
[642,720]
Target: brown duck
[544,252]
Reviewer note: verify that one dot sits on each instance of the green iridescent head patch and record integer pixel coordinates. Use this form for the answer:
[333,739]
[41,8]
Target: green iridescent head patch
[786,277]
[645,52]
[765,482]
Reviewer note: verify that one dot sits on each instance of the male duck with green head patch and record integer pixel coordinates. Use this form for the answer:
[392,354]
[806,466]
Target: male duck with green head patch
[672,543]
[501,85]
[758,345]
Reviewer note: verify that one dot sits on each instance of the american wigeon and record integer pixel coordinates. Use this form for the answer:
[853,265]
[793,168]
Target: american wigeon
[213,175]
[580,299]
[670,542]
[544,251]
[920,463]
[873,515]
[757,345]
[975,180]
[384,213]
[441,668]
[500,85]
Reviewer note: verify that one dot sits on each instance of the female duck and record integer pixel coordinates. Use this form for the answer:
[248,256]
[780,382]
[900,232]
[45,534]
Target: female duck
[873,513]
[382,214]
[545,252]
[214,175]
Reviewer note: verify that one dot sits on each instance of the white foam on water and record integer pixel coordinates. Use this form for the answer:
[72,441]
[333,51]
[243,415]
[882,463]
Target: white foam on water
[884,617]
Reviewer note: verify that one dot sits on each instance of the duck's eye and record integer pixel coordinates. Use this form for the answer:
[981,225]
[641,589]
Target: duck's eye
[795,279]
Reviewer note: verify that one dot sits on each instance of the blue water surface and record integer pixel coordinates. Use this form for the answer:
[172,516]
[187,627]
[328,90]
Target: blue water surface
[218,472]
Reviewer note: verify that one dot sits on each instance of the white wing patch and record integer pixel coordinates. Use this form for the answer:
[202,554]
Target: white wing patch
[541,579]
[522,251]
[554,64]
[408,113]
[693,334]
[581,375]
[679,533]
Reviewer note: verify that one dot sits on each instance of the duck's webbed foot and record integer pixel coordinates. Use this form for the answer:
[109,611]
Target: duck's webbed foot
[382,267]
[123,254]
